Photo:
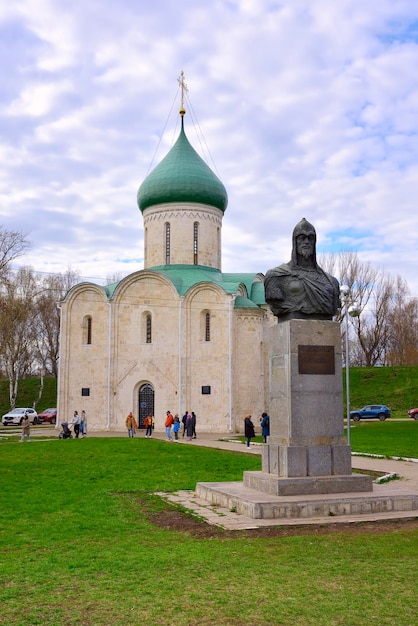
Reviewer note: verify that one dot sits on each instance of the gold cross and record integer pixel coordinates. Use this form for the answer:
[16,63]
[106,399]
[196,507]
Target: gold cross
[184,90]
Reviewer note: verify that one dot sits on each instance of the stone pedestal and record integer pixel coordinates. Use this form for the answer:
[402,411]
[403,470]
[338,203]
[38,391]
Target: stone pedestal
[306,452]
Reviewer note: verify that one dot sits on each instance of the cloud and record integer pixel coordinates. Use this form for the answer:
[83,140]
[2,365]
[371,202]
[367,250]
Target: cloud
[308,109]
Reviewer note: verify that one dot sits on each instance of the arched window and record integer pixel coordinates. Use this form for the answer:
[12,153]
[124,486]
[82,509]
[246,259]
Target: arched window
[145,403]
[167,243]
[87,329]
[148,328]
[205,325]
[196,243]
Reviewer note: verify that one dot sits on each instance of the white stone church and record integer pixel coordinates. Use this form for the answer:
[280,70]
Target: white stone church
[179,334]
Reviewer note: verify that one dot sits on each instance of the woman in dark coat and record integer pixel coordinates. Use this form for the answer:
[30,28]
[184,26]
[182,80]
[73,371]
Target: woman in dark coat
[265,426]
[248,429]
[189,427]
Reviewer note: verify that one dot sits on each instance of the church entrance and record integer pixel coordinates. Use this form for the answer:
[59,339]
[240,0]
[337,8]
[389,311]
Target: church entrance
[145,403]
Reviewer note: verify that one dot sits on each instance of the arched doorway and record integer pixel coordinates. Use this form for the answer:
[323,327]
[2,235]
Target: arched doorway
[145,403]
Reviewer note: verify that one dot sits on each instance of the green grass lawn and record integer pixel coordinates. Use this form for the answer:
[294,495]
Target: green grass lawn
[78,545]
[387,438]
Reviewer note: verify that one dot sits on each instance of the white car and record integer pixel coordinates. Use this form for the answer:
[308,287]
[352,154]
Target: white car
[16,416]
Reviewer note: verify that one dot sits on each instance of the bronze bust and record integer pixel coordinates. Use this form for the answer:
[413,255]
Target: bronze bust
[300,289]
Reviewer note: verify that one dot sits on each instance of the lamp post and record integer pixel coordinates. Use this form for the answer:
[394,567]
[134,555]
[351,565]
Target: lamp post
[351,309]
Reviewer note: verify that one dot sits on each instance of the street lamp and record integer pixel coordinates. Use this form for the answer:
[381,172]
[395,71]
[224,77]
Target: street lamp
[350,309]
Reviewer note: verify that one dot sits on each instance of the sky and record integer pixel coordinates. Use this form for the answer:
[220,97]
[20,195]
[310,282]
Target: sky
[304,108]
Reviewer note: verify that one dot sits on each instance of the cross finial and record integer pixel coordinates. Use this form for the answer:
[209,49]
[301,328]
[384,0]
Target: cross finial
[184,90]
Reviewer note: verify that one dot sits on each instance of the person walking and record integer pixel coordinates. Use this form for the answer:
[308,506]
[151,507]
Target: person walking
[148,425]
[248,429]
[83,423]
[169,421]
[131,424]
[176,427]
[194,424]
[25,427]
[76,424]
[265,426]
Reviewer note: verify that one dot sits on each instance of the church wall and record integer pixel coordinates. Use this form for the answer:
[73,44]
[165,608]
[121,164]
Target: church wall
[182,218]
[205,364]
[250,366]
[84,365]
[136,361]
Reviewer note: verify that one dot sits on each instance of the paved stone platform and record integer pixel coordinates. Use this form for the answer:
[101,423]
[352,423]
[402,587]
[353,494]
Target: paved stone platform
[230,519]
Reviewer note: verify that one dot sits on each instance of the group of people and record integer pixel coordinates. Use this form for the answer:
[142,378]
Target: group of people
[132,425]
[188,421]
[172,424]
[249,431]
[79,424]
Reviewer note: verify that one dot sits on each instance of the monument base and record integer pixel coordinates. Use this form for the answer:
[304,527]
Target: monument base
[277,486]
[384,502]
[306,461]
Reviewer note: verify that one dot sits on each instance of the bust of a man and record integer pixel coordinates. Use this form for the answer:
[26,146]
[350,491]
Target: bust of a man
[300,289]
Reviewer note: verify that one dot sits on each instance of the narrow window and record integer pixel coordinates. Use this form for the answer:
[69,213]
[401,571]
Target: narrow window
[207,327]
[87,330]
[195,243]
[167,243]
[148,329]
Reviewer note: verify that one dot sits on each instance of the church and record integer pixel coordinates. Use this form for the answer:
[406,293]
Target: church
[179,335]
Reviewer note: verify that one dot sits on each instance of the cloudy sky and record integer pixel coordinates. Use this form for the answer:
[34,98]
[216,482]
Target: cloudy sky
[305,108]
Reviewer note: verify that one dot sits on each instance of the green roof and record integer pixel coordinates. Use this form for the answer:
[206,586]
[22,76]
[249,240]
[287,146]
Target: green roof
[182,176]
[184,277]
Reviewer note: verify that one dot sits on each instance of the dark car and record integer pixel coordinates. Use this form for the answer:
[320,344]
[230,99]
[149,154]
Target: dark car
[49,415]
[413,413]
[371,411]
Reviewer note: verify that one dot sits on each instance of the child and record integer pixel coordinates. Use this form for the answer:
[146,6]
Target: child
[176,427]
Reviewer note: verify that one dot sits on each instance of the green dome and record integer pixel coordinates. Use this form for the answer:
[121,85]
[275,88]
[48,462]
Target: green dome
[182,176]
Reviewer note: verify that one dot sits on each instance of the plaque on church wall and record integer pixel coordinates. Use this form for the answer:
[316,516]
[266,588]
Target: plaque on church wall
[206,389]
[316,360]
[85,391]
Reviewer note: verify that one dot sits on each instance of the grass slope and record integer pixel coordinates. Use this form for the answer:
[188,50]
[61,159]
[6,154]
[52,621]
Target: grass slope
[28,393]
[394,386]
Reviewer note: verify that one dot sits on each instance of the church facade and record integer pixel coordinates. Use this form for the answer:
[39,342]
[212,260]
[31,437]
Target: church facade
[178,335]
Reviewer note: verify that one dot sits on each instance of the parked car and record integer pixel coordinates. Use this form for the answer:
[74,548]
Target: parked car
[16,416]
[413,413]
[371,411]
[49,415]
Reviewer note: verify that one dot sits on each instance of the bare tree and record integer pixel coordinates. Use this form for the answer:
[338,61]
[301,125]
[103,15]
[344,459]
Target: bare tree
[376,295]
[13,244]
[402,346]
[16,328]
[47,319]
[30,325]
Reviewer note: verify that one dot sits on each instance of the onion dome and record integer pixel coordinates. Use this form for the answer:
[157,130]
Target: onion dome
[182,176]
